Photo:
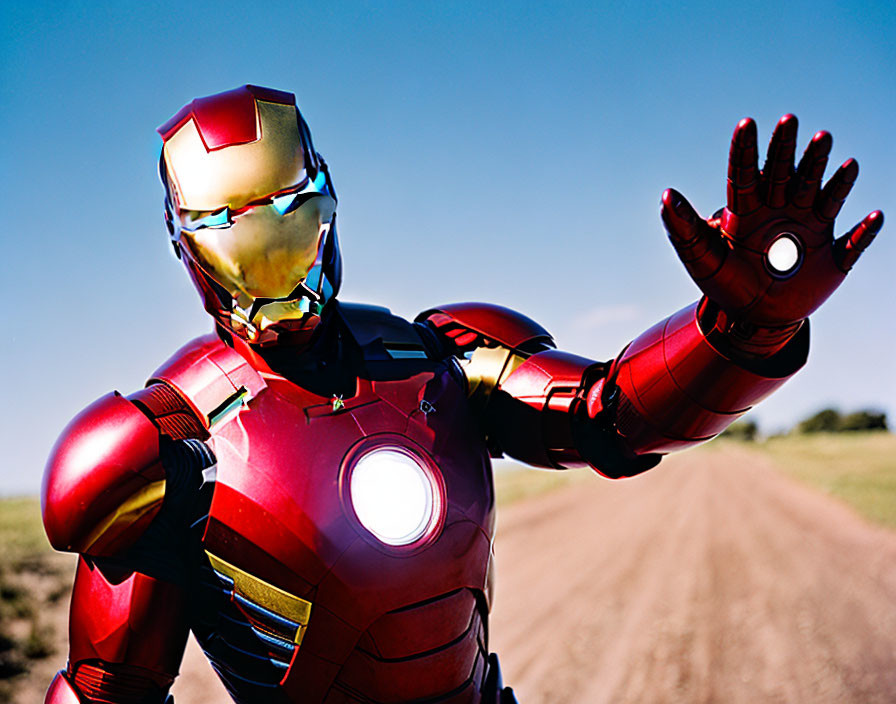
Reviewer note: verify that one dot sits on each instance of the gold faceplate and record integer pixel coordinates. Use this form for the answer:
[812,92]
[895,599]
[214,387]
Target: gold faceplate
[263,254]
[233,176]
[266,595]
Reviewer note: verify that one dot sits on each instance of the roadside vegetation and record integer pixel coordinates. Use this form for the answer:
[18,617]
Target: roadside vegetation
[34,581]
[856,467]
[514,482]
[830,420]
[850,456]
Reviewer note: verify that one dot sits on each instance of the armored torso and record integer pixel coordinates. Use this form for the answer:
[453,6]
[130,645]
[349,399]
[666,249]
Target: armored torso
[301,595]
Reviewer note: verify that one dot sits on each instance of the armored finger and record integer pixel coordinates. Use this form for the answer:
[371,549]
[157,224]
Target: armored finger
[743,172]
[811,170]
[779,163]
[830,200]
[850,246]
[699,246]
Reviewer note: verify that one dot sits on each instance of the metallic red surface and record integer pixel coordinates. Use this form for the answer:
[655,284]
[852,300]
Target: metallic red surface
[143,621]
[205,372]
[452,615]
[226,119]
[61,691]
[547,380]
[105,455]
[502,325]
[535,428]
[666,398]
[112,683]
[169,411]
[130,649]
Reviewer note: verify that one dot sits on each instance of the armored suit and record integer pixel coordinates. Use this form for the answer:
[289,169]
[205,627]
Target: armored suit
[308,489]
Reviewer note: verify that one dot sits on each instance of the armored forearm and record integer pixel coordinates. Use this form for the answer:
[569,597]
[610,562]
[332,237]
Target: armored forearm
[675,386]
[127,634]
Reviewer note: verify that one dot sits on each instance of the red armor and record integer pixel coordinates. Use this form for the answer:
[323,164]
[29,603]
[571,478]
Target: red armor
[103,483]
[309,489]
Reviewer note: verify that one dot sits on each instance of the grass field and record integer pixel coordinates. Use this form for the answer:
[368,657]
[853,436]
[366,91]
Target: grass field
[33,580]
[859,469]
[517,482]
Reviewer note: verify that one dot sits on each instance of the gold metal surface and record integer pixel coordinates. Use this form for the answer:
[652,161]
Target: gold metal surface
[263,254]
[134,507]
[208,180]
[266,595]
[488,367]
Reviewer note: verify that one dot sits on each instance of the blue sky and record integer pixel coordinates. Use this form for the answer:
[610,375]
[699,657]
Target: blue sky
[505,152]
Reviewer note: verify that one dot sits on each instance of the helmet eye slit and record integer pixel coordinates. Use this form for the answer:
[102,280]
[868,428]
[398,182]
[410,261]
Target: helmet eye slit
[191,220]
[300,194]
[283,202]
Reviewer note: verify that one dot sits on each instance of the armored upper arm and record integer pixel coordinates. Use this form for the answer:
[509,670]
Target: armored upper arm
[467,326]
[489,341]
[528,393]
[537,404]
[105,481]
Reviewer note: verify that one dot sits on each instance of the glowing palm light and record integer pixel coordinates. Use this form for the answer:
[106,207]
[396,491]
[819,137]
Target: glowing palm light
[392,496]
[784,254]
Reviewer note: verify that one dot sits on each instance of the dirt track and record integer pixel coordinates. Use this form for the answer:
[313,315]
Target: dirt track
[711,579]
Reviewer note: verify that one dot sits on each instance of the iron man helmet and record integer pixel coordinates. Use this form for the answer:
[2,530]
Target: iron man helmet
[251,211]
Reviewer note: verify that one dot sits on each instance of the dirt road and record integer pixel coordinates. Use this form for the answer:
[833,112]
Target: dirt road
[711,579]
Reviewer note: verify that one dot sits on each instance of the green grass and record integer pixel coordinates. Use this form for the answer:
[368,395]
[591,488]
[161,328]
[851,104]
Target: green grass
[517,483]
[857,468]
[31,575]
[21,532]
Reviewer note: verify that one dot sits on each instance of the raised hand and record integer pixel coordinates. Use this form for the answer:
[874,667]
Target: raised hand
[769,258]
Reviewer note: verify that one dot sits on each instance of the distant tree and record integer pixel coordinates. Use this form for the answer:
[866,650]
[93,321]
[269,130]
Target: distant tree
[864,420]
[825,421]
[830,420]
[744,430]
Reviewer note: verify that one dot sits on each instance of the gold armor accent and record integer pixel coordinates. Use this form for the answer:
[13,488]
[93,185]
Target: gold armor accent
[266,595]
[488,367]
[263,254]
[134,507]
[205,180]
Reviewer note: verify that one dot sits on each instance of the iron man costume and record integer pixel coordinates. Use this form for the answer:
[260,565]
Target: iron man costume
[309,489]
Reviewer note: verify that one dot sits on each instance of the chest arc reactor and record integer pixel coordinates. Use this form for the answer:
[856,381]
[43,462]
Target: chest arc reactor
[394,494]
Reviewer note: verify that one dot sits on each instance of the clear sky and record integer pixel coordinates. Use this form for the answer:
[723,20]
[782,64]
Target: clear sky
[509,152]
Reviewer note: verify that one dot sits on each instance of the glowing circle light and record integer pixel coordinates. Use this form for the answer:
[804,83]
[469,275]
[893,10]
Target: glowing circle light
[392,495]
[784,255]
